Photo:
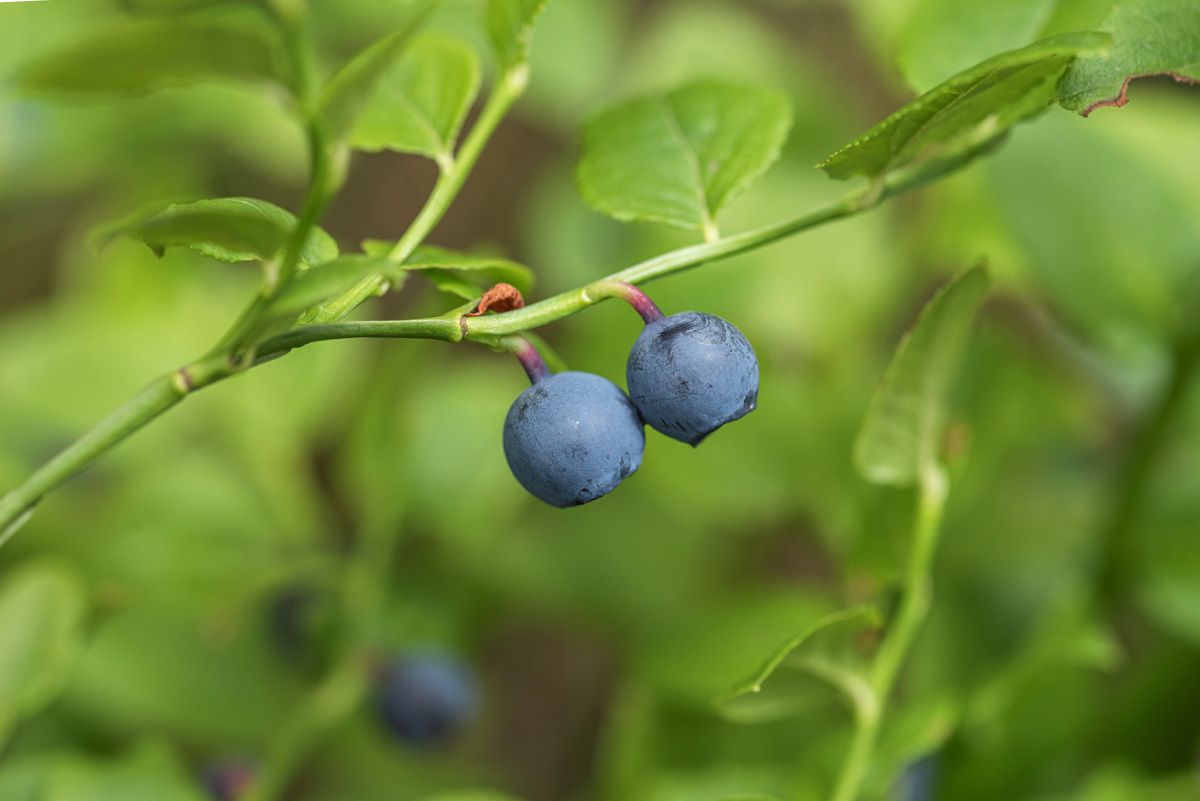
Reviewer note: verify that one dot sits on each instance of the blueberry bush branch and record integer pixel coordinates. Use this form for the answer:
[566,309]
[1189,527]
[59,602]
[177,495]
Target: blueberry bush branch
[173,387]
[869,705]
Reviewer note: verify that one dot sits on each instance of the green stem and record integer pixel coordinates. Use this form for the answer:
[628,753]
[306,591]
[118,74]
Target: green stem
[160,395]
[1131,482]
[450,182]
[325,177]
[449,328]
[567,303]
[915,600]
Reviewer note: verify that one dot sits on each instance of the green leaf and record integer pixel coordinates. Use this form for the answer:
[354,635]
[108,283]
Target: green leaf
[678,158]
[471,795]
[145,57]
[972,107]
[900,436]
[826,653]
[945,37]
[419,104]
[179,6]
[42,606]
[460,273]
[152,772]
[347,93]
[510,26]
[325,281]
[232,230]
[206,686]
[701,657]
[1150,37]
[1064,637]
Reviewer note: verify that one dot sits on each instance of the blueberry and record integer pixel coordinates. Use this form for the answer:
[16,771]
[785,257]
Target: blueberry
[691,373]
[426,698]
[572,438]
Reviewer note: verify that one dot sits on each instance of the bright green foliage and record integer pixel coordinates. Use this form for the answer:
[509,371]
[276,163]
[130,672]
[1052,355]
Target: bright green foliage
[901,435]
[1150,37]
[972,107]
[704,655]
[182,6]
[678,158]
[419,104]
[41,629]
[328,280]
[827,653]
[471,795]
[460,274]
[150,772]
[232,229]
[150,56]
[510,26]
[934,47]
[346,95]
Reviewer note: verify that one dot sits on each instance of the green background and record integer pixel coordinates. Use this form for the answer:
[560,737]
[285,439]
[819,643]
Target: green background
[600,634]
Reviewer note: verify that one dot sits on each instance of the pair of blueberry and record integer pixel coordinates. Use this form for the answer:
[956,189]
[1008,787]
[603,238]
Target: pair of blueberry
[571,437]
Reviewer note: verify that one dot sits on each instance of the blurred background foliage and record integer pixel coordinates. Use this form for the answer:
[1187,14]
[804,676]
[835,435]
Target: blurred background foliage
[601,634]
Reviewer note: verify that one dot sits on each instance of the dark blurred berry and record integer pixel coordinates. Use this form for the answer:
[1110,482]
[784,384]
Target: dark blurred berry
[427,698]
[228,779]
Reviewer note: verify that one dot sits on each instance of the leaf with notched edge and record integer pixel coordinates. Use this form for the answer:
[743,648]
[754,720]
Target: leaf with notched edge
[973,106]
[232,230]
[419,104]
[346,95]
[1150,37]
[678,158]
[510,26]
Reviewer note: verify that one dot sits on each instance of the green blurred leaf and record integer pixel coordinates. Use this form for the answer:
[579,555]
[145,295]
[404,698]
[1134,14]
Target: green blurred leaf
[328,280]
[1063,638]
[460,274]
[510,27]
[702,657]
[825,654]
[1150,37]
[471,795]
[232,230]
[42,605]
[150,773]
[347,93]
[900,436]
[419,104]
[972,107]
[945,37]
[678,158]
[181,6]
[160,667]
[150,56]
[913,729]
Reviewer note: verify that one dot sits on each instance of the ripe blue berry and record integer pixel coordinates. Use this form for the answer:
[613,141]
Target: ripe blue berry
[572,438]
[691,373]
[427,699]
